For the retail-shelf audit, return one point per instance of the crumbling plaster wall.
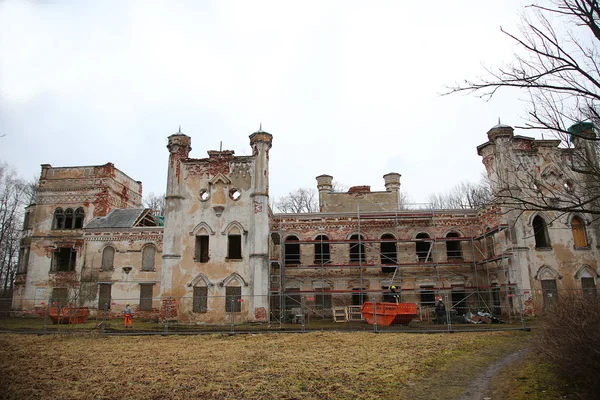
(341, 277)
(126, 275)
(217, 214)
(530, 165)
(96, 189)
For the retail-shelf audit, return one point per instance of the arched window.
(292, 250)
(322, 253)
(59, 219)
(357, 249)
(79, 215)
(388, 253)
(578, 229)
(69, 218)
(148, 254)
(423, 247)
(540, 230)
(453, 248)
(108, 258)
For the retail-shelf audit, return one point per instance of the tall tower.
(179, 147)
(260, 142)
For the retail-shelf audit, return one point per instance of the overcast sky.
(346, 88)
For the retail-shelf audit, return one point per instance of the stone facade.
(223, 254)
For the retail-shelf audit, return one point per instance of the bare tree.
(465, 195)
(155, 202)
(13, 198)
(557, 66)
(299, 201)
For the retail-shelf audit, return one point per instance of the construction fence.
(435, 310)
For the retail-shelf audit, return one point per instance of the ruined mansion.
(220, 250)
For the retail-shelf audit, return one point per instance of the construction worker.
(395, 295)
(128, 315)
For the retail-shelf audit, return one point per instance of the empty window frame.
(68, 219)
(59, 219)
(79, 215)
(588, 286)
(540, 231)
(104, 296)
(423, 247)
(323, 301)
(291, 250)
(200, 299)
(108, 258)
(234, 247)
(292, 298)
(233, 297)
(23, 260)
(359, 296)
(549, 291)
(60, 297)
(427, 296)
(148, 255)
(388, 252)
(578, 229)
(63, 260)
(322, 252)
(453, 247)
(202, 248)
(496, 305)
(459, 301)
(357, 249)
(146, 296)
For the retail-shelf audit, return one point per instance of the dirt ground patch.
(265, 366)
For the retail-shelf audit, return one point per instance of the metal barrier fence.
(293, 312)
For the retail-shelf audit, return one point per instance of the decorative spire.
(179, 131)
(499, 121)
(260, 127)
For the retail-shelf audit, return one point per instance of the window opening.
(549, 291)
(69, 217)
(60, 296)
(200, 299)
(453, 247)
(497, 309)
(540, 231)
(292, 300)
(427, 296)
(389, 255)
(59, 219)
(323, 301)
(234, 247)
(146, 297)
(104, 296)
(108, 258)
(322, 252)
(233, 295)
(63, 260)
(458, 297)
(357, 250)
(23, 260)
(202, 248)
(292, 251)
(204, 195)
(588, 285)
(578, 229)
(235, 194)
(79, 214)
(423, 248)
(358, 297)
(148, 255)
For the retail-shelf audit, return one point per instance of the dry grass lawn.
(330, 365)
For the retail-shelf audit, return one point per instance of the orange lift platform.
(387, 314)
